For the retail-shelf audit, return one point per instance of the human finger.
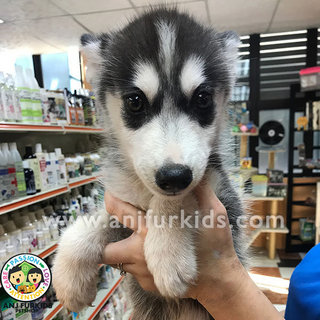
(126, 213)
(119, 252)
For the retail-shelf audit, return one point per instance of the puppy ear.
(91, 46)
(230, 43)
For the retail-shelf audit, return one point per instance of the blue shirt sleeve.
(304, 290)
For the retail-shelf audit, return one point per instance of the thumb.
(118, 252)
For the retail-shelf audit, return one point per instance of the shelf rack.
(101, 299)
(59, 128)
(44, 195)
(273, 229)
(293, 244)
(52, 312)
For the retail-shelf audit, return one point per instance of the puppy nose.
(173, 177)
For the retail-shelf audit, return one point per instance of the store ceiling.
(42, 26)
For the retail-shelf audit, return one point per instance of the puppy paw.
(74, 282)
(174, 276)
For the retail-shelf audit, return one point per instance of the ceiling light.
(1, 21)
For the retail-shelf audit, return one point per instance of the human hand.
(223, 286)
(215, 253)
(130, 251)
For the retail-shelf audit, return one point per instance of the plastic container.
(7, 102)
(34, 166)
(13, 108)
(24, 95)
(2, 97)
(13, 189)
(42, 164)
(28, 232)
(41, 240)
(21, 182)
(259, 185)
(54, 231)
(29, 178)
(55, 168)
(70, 168)
(15, 235)
(4, 178)
(35, 97)
(47, 236)
(62, 166)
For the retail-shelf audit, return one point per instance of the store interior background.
(278, 39)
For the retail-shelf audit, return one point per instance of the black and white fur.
(166, 57)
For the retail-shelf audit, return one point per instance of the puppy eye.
(203, 99)
(134, 102)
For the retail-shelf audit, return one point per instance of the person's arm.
(238, 298)
(223, 287)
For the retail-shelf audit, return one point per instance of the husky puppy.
(162, 82)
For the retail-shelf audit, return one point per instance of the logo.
(25, 277)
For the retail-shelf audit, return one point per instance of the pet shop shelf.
(253, 198)
(47, 251)
(15, 127)
(246, 134)
(51, 313)
(264, 229)
(101, 298)
(29, 200)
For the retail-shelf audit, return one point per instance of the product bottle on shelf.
(24, 95)
(79, 111)
(29, 232)
(13, 190)
(55, 167)
(35, 97)
(62, 166)
(29, 176)
(15, 235)
(34, 165)
(17, 104)
(15, 115)
(45, 106)
(49, 171)
(4, 178)
(19, 170)
(8, 108)
(2, 97)
(73, 111)
(42, 163)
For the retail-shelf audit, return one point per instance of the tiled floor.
(271, 279)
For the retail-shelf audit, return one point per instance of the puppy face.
(163, 81)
